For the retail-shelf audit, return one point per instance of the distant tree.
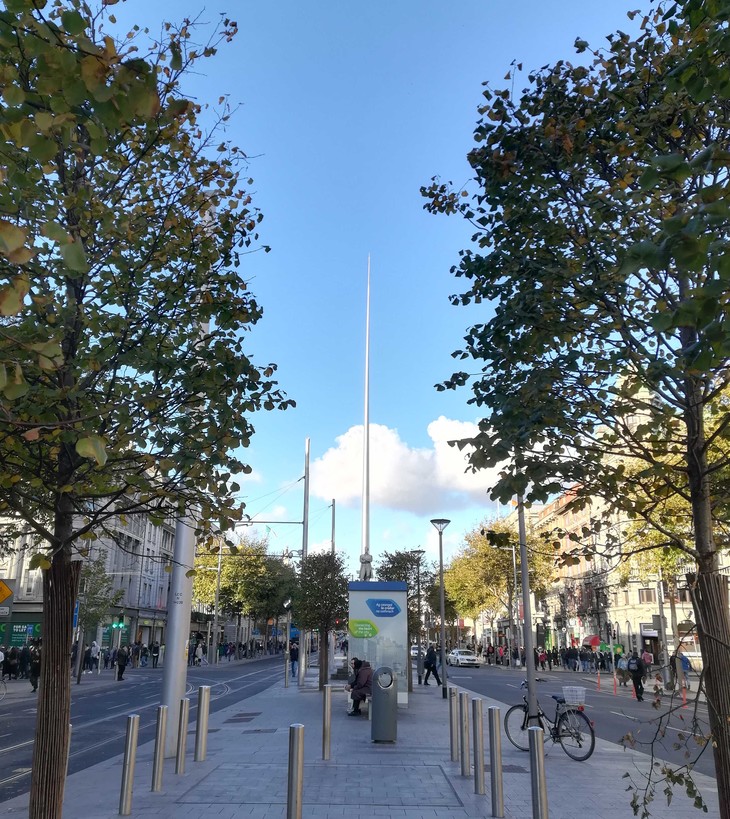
(402, 566)
(320, 600)
(126, 384)
(96, 592)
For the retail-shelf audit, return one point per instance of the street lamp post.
(418, 553)
(441, 524)
(215, 612)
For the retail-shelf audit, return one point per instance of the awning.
(592, 640)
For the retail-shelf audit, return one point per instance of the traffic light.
(119, 622)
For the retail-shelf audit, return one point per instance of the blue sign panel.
(383, 608)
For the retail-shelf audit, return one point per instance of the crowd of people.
(22, 662)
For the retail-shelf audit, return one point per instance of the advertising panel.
(378, 628)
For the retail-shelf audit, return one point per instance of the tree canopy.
(601, 227)
(126, 379)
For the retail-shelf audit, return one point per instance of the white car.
(414, 652)
(462, 657)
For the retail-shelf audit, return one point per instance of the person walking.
(34, 665)
(294, 659)
(637, 670)
(430, 665)
(122, 657)
(155, 652)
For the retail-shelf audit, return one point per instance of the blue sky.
(346, 109)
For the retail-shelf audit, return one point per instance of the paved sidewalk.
(245, 773)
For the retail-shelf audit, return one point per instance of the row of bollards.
(130, 745)
(459, 736)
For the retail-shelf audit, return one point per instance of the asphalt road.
(665, 728)
(99, 708)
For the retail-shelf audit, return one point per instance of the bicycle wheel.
(515, 726)
(576, 735)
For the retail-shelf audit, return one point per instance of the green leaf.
(54, 231)
(12, 237)
(73, 22)
(176, 58)
(93, 447)
(75, 257)
(40, 561)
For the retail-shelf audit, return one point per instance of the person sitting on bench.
(360, 684)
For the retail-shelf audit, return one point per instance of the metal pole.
(453, 724)
(333, 525)
(326, 721)
(527, 614)
(68, 749)
(158, 761)
(537, 772)
(130, 757)
(464, 733)
(305, 517)
(663, 654)
(519, 636)
(182, 735)
(296, 772)
(287, 657)
(495, 762)
(215, 612)
(179, 604)
(442, 605)
(419, 661)
(478, 728)
(201, 723)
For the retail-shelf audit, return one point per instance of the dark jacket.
(430, 661)
(363, 686)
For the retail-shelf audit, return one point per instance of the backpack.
(633, 664)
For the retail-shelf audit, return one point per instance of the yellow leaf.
(12, 237)
(92, 447)
(168, 569)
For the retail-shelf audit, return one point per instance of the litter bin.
(384, 727)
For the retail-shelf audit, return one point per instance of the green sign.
(362, 628)
(18, 634)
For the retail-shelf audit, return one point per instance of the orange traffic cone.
(598, 685)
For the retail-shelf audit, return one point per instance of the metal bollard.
(158, 760)
(326, 721)
(201, 723)
(182, 735)
(296, 772)
(478, 728)
(495, 762)
(454, 724)
(130, 757)
(68, 750)
(464, 734)
(537, 772)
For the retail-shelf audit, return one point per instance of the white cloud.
(403, 478)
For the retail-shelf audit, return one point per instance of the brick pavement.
(245, 773)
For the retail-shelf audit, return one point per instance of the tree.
(125, 384)
(601, 222)
(403, 566)
(481, 577)
(96, 592)
(320, 600)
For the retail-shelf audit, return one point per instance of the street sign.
(76, 614)
(7, 592)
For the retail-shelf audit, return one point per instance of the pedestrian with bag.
(637, 670)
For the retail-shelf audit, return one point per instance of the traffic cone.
(633, 692)
(614, 685)
(598, 686)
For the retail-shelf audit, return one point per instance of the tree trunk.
(50, 751)
(713, 626)
(710, 592)
(324, 651)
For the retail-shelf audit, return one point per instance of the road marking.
(628, 716)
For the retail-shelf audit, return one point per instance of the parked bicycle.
(570, 726)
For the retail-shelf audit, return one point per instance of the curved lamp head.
(440, 523)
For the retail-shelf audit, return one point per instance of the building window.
(683, 596)
(647, 595)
